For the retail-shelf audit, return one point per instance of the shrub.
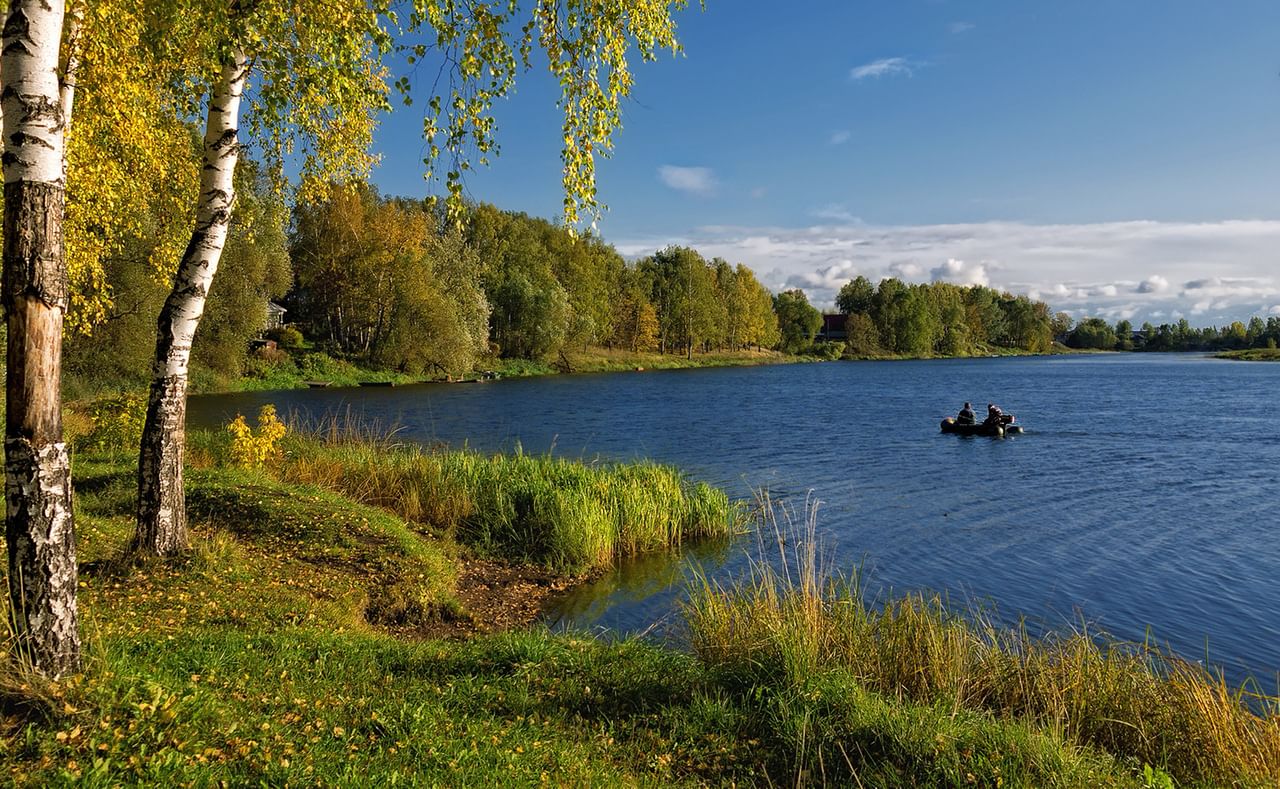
(117, 424)
(272, 356)
(828, 350)
(286, 337)
(249, 448)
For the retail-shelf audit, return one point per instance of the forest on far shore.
(392, 284)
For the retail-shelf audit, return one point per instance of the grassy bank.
(611, 360)
(287, 648)
(980, 352)
(292, 370)
(274, 654)
(796, 633)
(1252, 355)
(568, 516)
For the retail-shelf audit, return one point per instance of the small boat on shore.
(1006, 427)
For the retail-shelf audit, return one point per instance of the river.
(1144, 497)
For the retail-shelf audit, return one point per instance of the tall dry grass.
(790, 620)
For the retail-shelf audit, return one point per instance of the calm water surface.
(1144, 494)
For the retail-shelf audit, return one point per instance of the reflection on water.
(635, 581)
(1144, 494)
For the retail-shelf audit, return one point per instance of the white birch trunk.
(39, 526)
(162, 513)
(70, 73)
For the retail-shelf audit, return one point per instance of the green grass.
(294, 371)
(565, 515)
(255, 660)
(981, 351)
(598, 360)
(612, 360)
(302, 366)
(1252, 355)
(520, 368)
(275, 654)
(372, 564)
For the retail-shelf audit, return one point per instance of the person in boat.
(967, 416)
(994, 415)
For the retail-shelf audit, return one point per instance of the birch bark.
(39, 526)
(162, 514)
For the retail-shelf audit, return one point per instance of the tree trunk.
(162, 512)
(39, 526)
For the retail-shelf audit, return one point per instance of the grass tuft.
(568, 516)
(791, 622)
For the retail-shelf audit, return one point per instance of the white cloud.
(827, 278)
(1118, 312)
(840, 137)
(1153, 284)
(960, 273)
(906, 270)
(884, 67)
(1230, 267)
(1275, 310)
(693, 180)
(956, 28)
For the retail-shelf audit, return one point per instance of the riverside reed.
(568, 516)
(791, 628)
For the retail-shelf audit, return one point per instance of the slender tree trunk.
(162, 511)
(39, 526)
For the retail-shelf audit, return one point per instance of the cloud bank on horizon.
(1209, 272)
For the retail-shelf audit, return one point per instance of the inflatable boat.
(1007, 427)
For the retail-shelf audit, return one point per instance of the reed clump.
(566, 515)
(790, 621)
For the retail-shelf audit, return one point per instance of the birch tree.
(71, 200)
(319, 80)
(319, 84)
(161, 514)
(39, 527)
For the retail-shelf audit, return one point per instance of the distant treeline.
(1096, 333)
(392, 283)
(391, 280)
(941, 319)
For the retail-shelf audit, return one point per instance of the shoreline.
(594, 361)
(1250, 355)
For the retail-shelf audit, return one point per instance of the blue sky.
(1118, 158)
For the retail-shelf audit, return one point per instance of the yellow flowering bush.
(117, 424)
(250, 448)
